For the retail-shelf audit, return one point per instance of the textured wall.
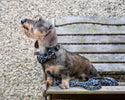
(20, 74)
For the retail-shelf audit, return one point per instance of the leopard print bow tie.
(50, 55)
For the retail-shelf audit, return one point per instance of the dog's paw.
(64, 84)
(49, 81)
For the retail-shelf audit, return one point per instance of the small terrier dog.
(66, 64)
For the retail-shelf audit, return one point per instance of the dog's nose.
(23, 21)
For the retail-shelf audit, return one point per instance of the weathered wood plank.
(92, 39)
(95, 48)
(90, 29)
(119, 78)
(88, 19)
(105, 57)
(78, 90)
(109, 67)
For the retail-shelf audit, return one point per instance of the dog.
(66, 64)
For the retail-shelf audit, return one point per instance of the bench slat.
(105, 57)
(95, 48)
(90, 29)
(109, 67)
(88, 19)
(91, 39)
(78, 90)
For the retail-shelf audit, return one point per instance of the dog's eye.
(25, 27)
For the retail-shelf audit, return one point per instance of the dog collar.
(50, 55)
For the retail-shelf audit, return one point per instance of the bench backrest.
(101, 40)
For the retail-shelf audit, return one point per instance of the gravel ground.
(20, 74)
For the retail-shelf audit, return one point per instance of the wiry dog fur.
(67, 64)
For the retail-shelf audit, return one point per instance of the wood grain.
(95, 48)
(78, 90)
(92, 39)
(116, 67)
(105, 57)
(90, 29)
(90, 19)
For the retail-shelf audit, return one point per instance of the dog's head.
(41, 30)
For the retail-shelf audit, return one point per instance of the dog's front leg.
(49, 81)
(65, 82)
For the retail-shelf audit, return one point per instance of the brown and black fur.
(67, 64)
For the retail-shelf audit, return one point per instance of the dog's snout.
(23, 21)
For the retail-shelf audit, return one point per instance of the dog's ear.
(50, 39)
(48, 26)
(36, 45)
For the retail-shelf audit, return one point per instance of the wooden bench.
(102, 41)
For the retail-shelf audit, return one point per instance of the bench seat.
(78, 90)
